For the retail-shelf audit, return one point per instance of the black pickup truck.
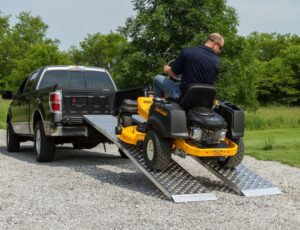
(49, 105)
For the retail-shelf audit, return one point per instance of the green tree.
(5, 47)
(291, 57)
(38, 55)
(276, 67)
(28, 30)
(268, 46)
(101, 50)
(162, 28)
(275, 82)
(28, 48)
(236, 80)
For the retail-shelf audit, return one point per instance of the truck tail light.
(55, 102)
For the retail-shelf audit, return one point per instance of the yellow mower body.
(132, 136)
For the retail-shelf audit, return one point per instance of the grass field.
(272, 133)
(273, 117)
(282, 145)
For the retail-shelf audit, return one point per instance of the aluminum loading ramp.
(175, 182)
(241, 179)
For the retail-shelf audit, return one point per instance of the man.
(196, 64)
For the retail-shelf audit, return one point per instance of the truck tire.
(44, 147)
(157, 151)
(12, 140)
(236, 160)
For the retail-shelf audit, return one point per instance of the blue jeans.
(164, 87)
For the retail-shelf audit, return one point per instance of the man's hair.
(215, 37)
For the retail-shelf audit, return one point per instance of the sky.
(71, 20)
(268, 16)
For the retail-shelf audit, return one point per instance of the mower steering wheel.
(177, 78)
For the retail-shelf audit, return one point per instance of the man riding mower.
(196, 125)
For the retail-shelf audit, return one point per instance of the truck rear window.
(77, 80)
(98, 80)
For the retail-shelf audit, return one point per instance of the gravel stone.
(91, 189)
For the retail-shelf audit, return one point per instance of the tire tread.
(236, 160)
(47, 145)
(162, 151)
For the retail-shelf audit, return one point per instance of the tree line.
(258, 69)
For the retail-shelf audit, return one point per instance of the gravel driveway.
(92, 189)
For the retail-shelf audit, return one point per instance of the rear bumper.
(66, 131)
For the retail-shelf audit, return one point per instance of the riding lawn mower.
(197, 125)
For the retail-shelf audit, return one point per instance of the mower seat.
(197, 95)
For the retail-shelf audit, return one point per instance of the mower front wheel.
(157, 150)
(236, 160)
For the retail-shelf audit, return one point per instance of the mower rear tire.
(157, 150)
(234, 161)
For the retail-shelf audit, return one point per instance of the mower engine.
(206, 127)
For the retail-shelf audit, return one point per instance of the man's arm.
(177, 65)
(168, 70)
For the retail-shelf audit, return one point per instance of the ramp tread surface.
(175, 182)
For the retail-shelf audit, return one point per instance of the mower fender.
(234, 117)
(157, 124)
(170, 121)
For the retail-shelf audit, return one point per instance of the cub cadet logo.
(147, 101)
(159, 110)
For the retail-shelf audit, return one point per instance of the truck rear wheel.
(12, 140)
(157, 150)
(44, 147)
(236, 160)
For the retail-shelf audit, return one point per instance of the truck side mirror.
(7, 95)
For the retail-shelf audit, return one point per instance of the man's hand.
(168, 70)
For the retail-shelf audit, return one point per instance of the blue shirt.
(197, 65)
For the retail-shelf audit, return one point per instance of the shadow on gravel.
(105, 167)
